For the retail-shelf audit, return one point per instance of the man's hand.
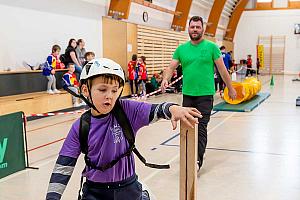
(187, 115)
(232, 93)
(164, 85)
(53, 71)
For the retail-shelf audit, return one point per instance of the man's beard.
(197, 37)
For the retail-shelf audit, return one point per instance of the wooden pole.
(188, 162)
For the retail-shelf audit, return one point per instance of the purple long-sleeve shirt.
(107, 142)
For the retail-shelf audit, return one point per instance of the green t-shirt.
(198, 67)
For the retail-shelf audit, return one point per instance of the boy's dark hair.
(70, 42)
(89, 53)
(195, 19)
(71, 64)
(55, 48)
(134, 57)
(222, 47)
(108, 79)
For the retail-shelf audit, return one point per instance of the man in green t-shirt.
(197, 58)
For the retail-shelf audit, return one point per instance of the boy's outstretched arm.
(174, 112)
(187, 115)
(60, 177)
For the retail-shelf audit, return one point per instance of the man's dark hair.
(222, 47)
(134, 57)
(195, 19)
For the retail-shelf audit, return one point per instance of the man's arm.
(168, 74)
(225, 76)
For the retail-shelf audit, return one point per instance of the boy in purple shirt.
(102, 81)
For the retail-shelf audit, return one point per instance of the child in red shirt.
(132, 74)
(142, 73)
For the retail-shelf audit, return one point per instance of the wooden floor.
(249, 156)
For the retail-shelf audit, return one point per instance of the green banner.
(12, 154)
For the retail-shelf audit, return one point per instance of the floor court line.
(50, 125)
(249, 151)
(44, 145)
(177, 156)
(177, 134)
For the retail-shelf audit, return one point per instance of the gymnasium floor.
(249, 156)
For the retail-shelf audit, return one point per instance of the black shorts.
(129, 189)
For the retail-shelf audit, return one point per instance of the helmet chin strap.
(89, 103)
(83, 98)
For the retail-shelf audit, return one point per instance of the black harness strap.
(122, 119)
(129, 135)
(81, 97)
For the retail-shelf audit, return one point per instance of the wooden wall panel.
(115, 41)
(274, 51)
(131, 41)
(158, 46)
(229, 45)
(213, 39)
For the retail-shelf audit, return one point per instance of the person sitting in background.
(88, 56)
(155, 82)
(53, 58)
(49, 69)
(70, 83)
(71, 57)
(80, 51)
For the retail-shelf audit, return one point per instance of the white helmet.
(101, 66)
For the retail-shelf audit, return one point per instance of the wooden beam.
(234, 20)
(188, 160)
(119, 8)
(294, 4)
(156, 7)
(179, 21)
(264, 5)
(214, 17)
